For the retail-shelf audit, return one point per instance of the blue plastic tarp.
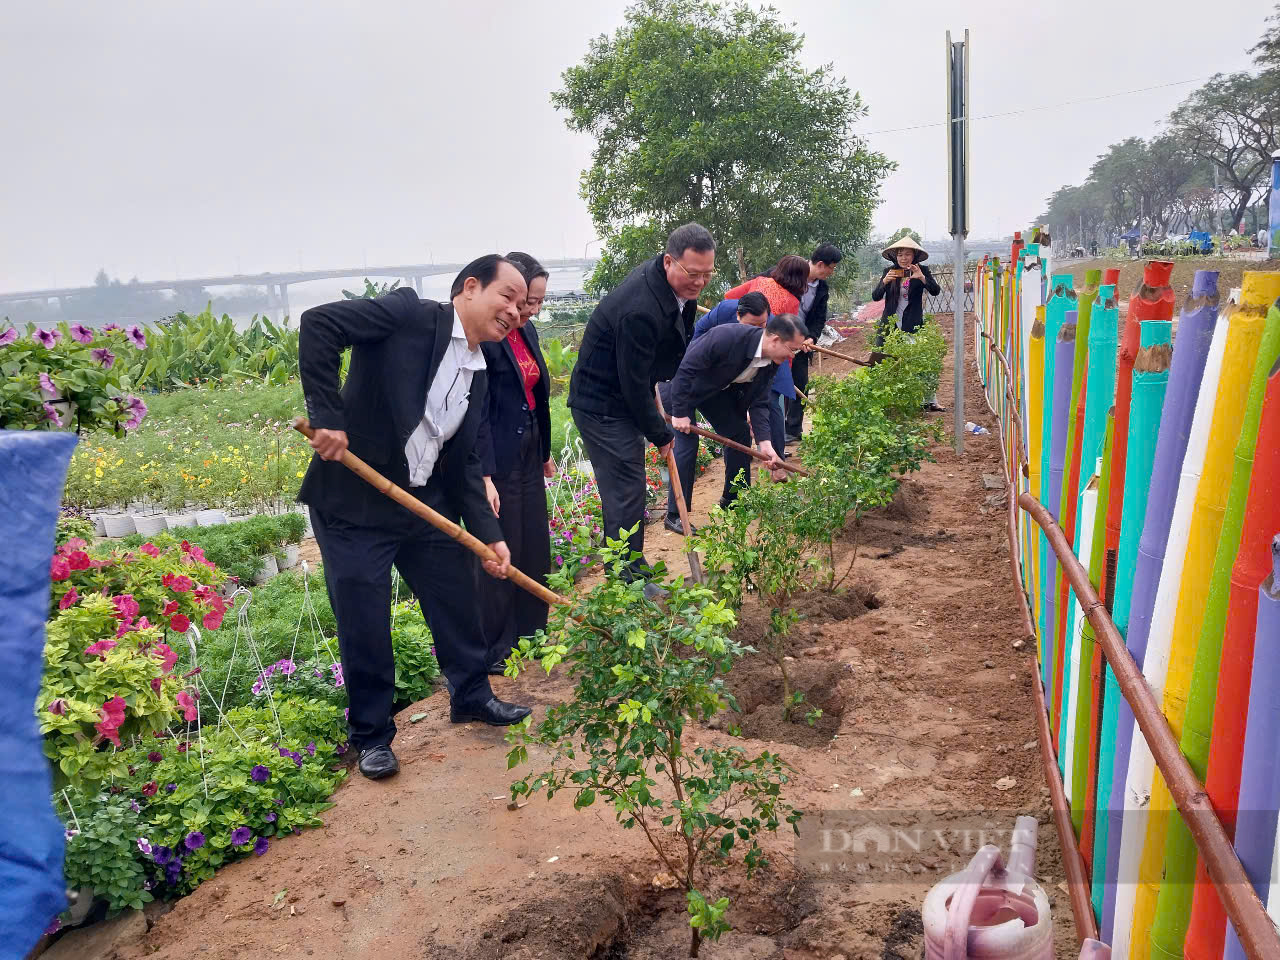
(33, 465)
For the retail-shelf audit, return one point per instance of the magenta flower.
(155, 756)
(58, 707)
(181, 583)
(47, 386)
(126, 606)
(8, 337)
(82, 333)
(188, 706)
(179, 623)
(240, 836)
(46, 338)
(110, 326)
(103, 356)
(259, 774)
(59, 568)
(260, 847)
(134, 332)
(99, 649)
(50, 413)
(68, 599)
(144, 845)
(112, 719)
(168, 658)
(150, 791)
(212, 620)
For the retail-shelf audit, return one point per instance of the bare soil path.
(927, 706)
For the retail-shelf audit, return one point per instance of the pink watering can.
(991, 911)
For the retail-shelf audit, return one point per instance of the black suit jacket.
(912, 313)
(506, 407)
(397, 342)
(635, 339)
(710, 366)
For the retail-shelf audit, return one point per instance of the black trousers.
(730, 422)
(795, 407)
(615, 447)
(508, 612)
(442, 574)
(777, 427)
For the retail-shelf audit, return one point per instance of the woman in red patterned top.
(783, 286)
(515, 451)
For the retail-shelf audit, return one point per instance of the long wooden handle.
(677, 491)
(841, 356)
(741, 448)
(437, 520)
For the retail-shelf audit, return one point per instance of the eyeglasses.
(700, 275)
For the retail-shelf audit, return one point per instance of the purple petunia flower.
(82, 333)
(138, 409)
(103, 356)
(162, 855)
(133, 805)
(137, 336)
(311, 748)
(54, 926)
(195, 840)
(51, 413)
(271, 818)
(260, 774)
(144, 844)
(170, 787)
(155, 756)
(47, 386)
(240, 836)
(46, 338)
(260, 847)
(8, 336)
(173, 871)
(277, 801)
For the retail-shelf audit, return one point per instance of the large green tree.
(702, 111)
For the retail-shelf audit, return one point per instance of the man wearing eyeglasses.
(635, 339)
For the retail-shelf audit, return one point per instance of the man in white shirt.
(411, 408)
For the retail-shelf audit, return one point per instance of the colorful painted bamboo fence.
(1153, 445)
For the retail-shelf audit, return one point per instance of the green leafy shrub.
(73, 525)
(642, 671)
(102, 853)
(184, 350)
(414, 651)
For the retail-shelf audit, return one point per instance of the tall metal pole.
(958, 196)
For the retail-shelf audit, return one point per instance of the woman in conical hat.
(902, 287)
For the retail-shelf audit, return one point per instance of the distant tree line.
(1208, 170)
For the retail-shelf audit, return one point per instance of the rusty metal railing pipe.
(1257, 934)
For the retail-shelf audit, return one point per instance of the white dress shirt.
(806, 301)
(758, 361)
(447, 399)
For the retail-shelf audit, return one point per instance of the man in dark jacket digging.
(636, 337)
(411, 409)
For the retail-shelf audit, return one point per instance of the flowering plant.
(69, 376)
(110, 675)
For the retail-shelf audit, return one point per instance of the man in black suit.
(411, 408)
(725, 375)
(636, 338)
(813, 315)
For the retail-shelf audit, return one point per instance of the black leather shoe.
(675, 526)
(793, 438)
(378, 762)
(496, 713)
(498, 669)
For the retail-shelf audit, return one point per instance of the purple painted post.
(1260, 771)
(1191, 349)
(1064, 363)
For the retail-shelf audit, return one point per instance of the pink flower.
(103, 356)
(99, 649)
(170, 608)
(179, 624)
(126, 626)
(51, 413)
(58, 707)
(59, 568)
(183, 747)
(126, 606)
(134, 332)
(82, 333)
(46, 338)
(78, 559)
(212, 620)
(188, 706)
(68, 599)
(168, 659)
(181, 583)
(110, 326)
(8, 337)
(150, 549)
(150, 789)
(75, 543)
(47, 386)
(143, 624)
(112, 718)
(155, 684)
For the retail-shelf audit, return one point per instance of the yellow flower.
(299, 473)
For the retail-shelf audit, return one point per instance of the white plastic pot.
(210, 518)
(268, 570)
(180, 520)
(118, 525)
(99, 523)
(154, 523)
(291, 556)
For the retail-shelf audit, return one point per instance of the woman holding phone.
(902, 287)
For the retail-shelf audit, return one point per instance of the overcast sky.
(162, 138)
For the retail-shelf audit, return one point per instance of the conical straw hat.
(921, 253)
